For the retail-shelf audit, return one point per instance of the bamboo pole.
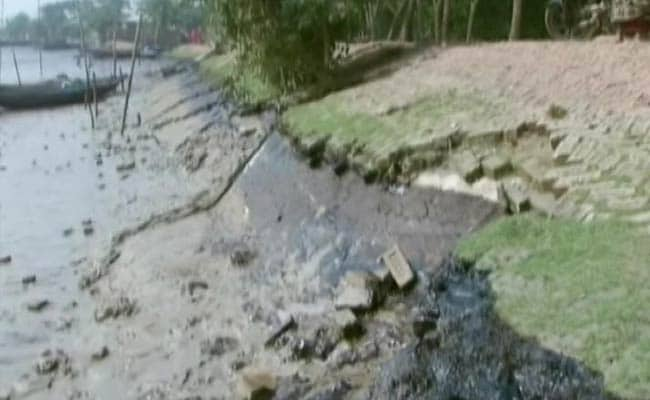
(95, 94)
(16, 66)
(133, 58)
(2, 24)
(470, 22)
(85, 56)
(40, 48)
(114, 52)
(121, 79)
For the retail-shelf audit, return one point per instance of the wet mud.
(236, 270)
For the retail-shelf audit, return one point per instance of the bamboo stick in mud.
(2, 24)
(84, 54)
(95, 93)
(133, 58)
(40, 48)
(115, 53)
(16, 67)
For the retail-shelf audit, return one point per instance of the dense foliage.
(293, 42)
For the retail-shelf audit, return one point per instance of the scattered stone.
(218, 346)
(101, 354)
(557, 112)
(242, 256)
(123, 306)
(555, 138)
(87, 222)
(257, 384)
(345, 354)
(516, 197)
(424, 320)
(192, 286)
(286, 323)
(399, 268)
(67, 232)
(125, 167)
(358, 292)
(52, 362)
(88, 230)
(29, 279)
(348, 323)
(5, 260)
(495, 166)
(101, 186)
(38, 305)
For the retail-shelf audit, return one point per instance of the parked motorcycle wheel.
(555, 19)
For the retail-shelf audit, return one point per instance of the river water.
(50, 182)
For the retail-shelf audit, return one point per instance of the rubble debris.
(52, 362)
(286, 323)
(257, 383)
(123, 306)
(193, 286)
(358, 292)
(399, 268)
(218, 346)
(38, 305)
(125, 167)
(242, 256)
(101, 354)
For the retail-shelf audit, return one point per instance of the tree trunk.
(515, 25)
(406, 22)
(436, 21)
(395, 20)
(445, 21)
(470, 22)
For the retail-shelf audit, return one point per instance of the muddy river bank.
(219, 265)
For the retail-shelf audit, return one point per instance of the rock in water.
(29, 279)
(5, 260)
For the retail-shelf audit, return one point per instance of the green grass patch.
(244, 84)
(188, 52)
(337, 116)
(581, 289)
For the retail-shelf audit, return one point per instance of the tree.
(470, 22)
(515, 25)
(18, 27)
(445, 21)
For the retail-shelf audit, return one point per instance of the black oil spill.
(475, 355)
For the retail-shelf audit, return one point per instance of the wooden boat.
(52, 93)
(122, 53)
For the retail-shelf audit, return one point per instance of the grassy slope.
(222, 70)
(334, 116)
(580, 289)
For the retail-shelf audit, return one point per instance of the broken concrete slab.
(467, 165)
(399, 267)
(357, 291)
(496, 166)
(516, 196)
(347, 322)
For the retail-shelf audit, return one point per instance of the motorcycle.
(577, 19)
